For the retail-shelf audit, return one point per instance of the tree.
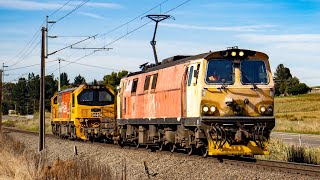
(33, 86)
(95, 82)
(282, 76)
(20, 95)
(300, 88)
(113, 79)
(282, 73)
(51, 86)
(64, 79)
(78, 80)
(286, 84)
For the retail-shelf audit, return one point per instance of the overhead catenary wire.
(118, 28)
(23, 67)
(76, 8)
(72, 44)
(126, 23)
(124, 35)
(60, 8)
(100, 67)
(32, 40)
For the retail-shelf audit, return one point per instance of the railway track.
(281, 166)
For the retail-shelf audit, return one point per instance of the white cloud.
(301, 38)
(249, 28)
(28, 5)
(229, 5)
(38, 5)
(92, 15)
(104, 5)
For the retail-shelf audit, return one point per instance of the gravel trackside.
(161, 165)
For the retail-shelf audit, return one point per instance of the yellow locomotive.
(86, 112)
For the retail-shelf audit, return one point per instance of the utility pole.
(42, 92)
(1, 72)
(59, 76)
(3, 66)
(156, 18)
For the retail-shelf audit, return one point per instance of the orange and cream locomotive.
(219, 103)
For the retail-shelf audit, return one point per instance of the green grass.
(283, 152)
(298, 114)
(29, 124)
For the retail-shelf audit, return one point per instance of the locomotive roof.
(171, 61)
(67, 90)
(178, 59)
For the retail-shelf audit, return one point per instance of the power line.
(123, 35)
(115, 29)
(126, 23)
(76, 8)
(94, 66)
(23, 67)
(73, 44)
(31, 40)
(139, 16)
(34, 37)
(24, 54)
(60, 8)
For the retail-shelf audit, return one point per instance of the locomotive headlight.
(241, 53)
(233, 53)
(212, 109)
(263, 109)
(205, 108)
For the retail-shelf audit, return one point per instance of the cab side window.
(134, 86)
(147, 83)
(55, 100)
(154, 81)
(190, 75)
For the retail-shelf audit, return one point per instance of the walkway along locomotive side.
(86, 112)
(220, 103)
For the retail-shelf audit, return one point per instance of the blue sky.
(288, 31)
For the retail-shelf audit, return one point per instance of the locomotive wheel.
(59, 131)
(204, 152)
(120, 144)
(136, 144)
(172, 147)
(190, 150)
(162, 146)
(53, 130)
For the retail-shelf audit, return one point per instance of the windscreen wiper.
(251, 82)
(224, 85)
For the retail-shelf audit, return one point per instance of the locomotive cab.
(236, 101)
(85, 112)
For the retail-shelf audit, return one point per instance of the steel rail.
(280, 166)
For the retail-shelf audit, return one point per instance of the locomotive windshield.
(95, 97)
(219, 71)
(253, 72)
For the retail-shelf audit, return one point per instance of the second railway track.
(281, 166)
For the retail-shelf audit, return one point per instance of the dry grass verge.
(298, 114)
(292, 153)
(17, 162)
(29, 124)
